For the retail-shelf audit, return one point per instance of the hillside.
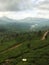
(17, 46)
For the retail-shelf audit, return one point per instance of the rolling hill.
(28, 24)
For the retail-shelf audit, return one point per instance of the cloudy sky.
(20, 9)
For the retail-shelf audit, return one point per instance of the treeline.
(7, 36)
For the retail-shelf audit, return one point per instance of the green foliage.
(32, 48)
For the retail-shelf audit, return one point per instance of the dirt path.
(13, 47)
(45, 34)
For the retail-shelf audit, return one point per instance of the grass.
(6, 45)
(36, 54)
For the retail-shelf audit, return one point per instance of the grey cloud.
(44, 5)
(17, 5)
(8, 5)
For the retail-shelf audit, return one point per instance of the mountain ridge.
(27, 24)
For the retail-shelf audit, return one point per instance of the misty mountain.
(13, 25)
(27, 24)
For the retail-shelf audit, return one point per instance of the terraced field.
(27, 46)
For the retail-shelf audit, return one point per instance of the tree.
(29, 45)
(39, 33)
